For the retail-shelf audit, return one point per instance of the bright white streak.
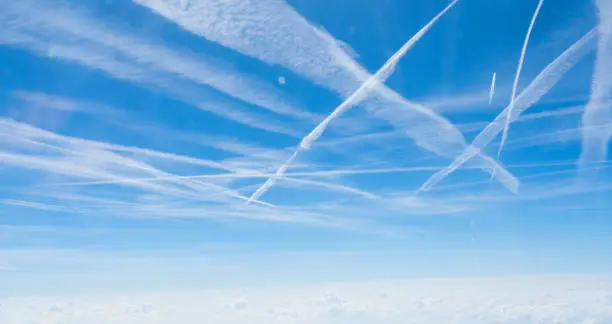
(541, 85)
(517, 76)
(379, 77)
(492, 90)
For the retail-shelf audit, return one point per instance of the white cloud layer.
(512, 300)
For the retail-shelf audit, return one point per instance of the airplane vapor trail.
(492, 91)
(541, 85)
(517, 76)
(379, 77)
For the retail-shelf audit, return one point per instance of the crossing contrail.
(540, 86)
(379, 77)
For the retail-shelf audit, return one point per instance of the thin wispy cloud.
(445, 103)
(63, 104)
(35, 205)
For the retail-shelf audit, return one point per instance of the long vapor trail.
(540, 86)
(289, 176)
(517, 76)
(596, 130)
(379, 77)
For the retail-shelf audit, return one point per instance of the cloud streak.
(63, 104)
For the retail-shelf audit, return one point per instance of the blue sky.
(134, 133)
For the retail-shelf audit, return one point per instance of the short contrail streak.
(492, 91)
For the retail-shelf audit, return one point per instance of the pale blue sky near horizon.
(133, 132)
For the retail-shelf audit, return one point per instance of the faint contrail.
(492, 91)
(517, 76)
(379, 77)
(540, 86)
(288, 176)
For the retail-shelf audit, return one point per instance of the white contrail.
(492, 90)
(597, 116)
(491, 93)
(517, 76)
(541, 85)
(379, 77)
